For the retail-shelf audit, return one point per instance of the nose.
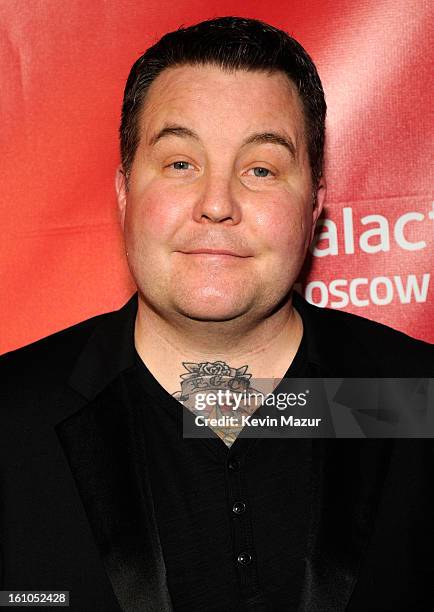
(217, 203)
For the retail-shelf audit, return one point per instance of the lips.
(215, 252)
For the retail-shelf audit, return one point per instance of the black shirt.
(232, 521)
(76, 511)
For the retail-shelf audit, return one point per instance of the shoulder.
(382, 350)
(32, 378)
(46, 361)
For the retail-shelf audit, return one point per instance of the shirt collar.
(110, 349)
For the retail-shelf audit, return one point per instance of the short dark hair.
(232, 43)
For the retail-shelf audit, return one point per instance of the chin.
(209, 306)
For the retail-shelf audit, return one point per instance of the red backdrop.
(63, 68)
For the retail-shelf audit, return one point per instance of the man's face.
(219, 212)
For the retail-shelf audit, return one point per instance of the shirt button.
(244, 558)
(239, 507)
(234, 464)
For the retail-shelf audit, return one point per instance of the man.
(219, 190)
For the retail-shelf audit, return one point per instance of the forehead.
(213, 98)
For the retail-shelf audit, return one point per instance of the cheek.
(154, 213)
(283, 223)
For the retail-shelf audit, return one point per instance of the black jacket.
(76, 511)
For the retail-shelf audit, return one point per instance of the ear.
(318, 204)
(121, 194)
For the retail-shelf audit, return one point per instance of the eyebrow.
(257, 138)
(173, 130)
(273, 138)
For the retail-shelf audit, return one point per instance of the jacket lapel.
(347, 476)
(102, 442)
(347, 482)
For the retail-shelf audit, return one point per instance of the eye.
(180, 165)
(261, 172)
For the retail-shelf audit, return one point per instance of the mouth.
(216, 252)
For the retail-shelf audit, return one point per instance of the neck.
(266, 346)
